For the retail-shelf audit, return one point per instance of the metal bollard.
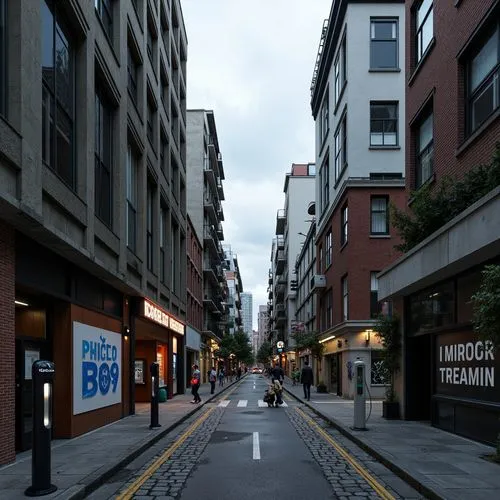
(43, 379)
(155, 386)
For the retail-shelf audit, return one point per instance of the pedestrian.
(212, 377)
(195, 385)
(307, 379)
(221, 377)
(238, 373)
(277, 373)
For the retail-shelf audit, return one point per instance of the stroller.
(272, 396)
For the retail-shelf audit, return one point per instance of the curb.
(99, 477)
(400, 472)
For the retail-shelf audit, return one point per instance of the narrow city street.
(237, 447)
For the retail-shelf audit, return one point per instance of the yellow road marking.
(127, 494)
(382, 492)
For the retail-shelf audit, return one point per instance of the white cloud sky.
(252, 64)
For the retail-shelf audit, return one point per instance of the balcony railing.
(281, 221)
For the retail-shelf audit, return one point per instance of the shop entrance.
(418, 378)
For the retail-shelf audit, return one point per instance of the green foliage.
(486, 305)
(387, 328)
(265, 353)
(309, 340)
(432, 207)
(242, 348)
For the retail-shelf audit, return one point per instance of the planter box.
(390, 410)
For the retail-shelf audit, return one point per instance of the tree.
(309, 340)
(387, 328)
(242, 348)
(265, 353)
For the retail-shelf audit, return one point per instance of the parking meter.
(359, 395)
(42, 373)
(155, 386)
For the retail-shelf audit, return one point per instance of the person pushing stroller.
(273, 395)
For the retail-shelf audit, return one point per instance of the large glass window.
(383, 123)
(103, 156)
(163, 242)
(58, 75)
(340, 70)
(344, 225)
(3, 57)
(150, 198)
(425, 151)
(374, 307)
(328, 248)
(484, 80)
(345, 299)
(324, 184)
(424, 27)
(340, 149)
(105, 10)
(384, 44)
(324, 125)
(379, 215)
(131, 214)
(132, 72)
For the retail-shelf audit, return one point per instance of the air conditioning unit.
(318, 281)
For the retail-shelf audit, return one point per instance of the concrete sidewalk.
(436, 463)
(82, 464)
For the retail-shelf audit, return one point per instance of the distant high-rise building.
(262, 324)
(247, 311)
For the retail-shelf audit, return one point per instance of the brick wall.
(7, 343)
(442, 75)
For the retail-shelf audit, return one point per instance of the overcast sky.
(251, 62)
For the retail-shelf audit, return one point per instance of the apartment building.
(357, 102)
(194, 300)
(290, 223)
(235, 289)
(262, 324)
(92, 207)
(247, 312)
(453, 123)
(205, 193)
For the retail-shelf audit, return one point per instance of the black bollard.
(43, 382)
(155, 387)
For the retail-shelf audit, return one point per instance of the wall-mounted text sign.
(158, 315)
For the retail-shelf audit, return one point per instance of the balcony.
(210, 239)
(220, 189)
(209, 303)
(281, 221)
(280, 292)
(209, 271)
(318, 283)
(209, 205)
(280, 243)
(209, 174)
(280, 262)
(220, 232)
(220, 212)
(280, 315)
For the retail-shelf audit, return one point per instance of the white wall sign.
(97, 365)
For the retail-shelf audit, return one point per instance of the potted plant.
(387, 328)
(321, 387)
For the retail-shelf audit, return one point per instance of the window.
(384, 44)
(174, 177)
(340, 148)
(383, 123)
(324, 118)
(340, 71)
(329, 309)
(132, 72)
(131, 215)
(164, 152)
(374, 308)
(151, 38)
(3, 57)
(324, 184)
(57, 106)
(484, 80)
(345, 299)
(105, 10)
(425, 151)
(328, 248)
(424, 27)
(344, 226)
(150, 210)
(150, 122)
(379, 215)
(163, 242)
(103, 156)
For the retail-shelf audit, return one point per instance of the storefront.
(192, 353)
(159, 338)
(452, 377)
(65, 315)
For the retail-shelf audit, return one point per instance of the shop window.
(432, 308)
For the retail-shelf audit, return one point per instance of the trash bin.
(162, 395)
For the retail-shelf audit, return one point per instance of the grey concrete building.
(235, 288)
(247, 312)
(204, 196)
(92, 202)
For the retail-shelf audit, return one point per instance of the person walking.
(212, 377)
(221, 377)
(277, 373)
(307, 379)
(195, 384)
